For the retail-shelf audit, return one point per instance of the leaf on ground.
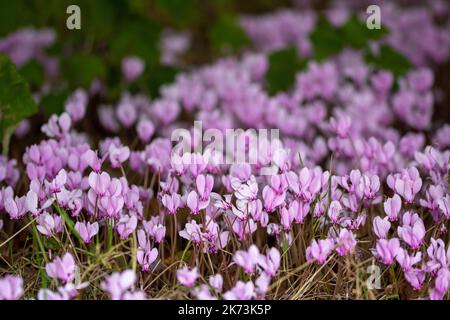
(389, 59)
(283, 66)
(16, 101)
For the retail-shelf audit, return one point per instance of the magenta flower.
(392, 207)
(145, 129)
(319, 250)
(58, 126)
(126, 225)
(216, 282)
(381, 227)
(248, 260)
(11, 287)
(345, 242)
(405, 260)
(49, 225)
(334, 211)
(195, 203)
(407, 184)
(270, 262)
(387, 250)
(415, 278)
(76, 105)
(186, 276)
(118, 285)
(205, 185)
(413, 230)
(86, 230)
(118, 155)
(15, 207)
(62, 268)
(132, 67)
(145, 254)
(241, 291)
(171, 202)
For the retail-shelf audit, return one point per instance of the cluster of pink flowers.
(342, 166)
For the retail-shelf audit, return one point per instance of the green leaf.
(329, 40)
(138, 37)
(389, 59)
(326, 40)
(283, 66)
(227, 34)
(356, 34)
(156, 77)
(33, 73)
(179, 12)
(81, 69)
(16, 102)
(53, 103)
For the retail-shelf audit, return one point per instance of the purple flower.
(216, 282)
(413, 230)
(126, 225)
(346, 242)
(248, 260)
(76, 105)
(392, 207)
(118, 155)
(171, 202)
(49, 225)
(270, 262)
(319, 250)
(186, 276)
(387, 250)
(241, 291)
(145, 254)
(86, 230)
(62, 268)
(132, 67)
(11, 287)
(145, 130)
(405, 260)
(118, 285)
(381, 227)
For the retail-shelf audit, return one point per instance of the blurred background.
(172, 36)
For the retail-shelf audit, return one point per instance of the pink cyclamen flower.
(126, 225)
(171, 202)
(119, 284)
(407, 183)
(11, 287)
(76, 105)
(195, 203)
(204, 185)
(86, 230)
(247, 259)
(346, 242)
(132, 67)
(241, 291)
(49, 225)
(387, 249)
(415, 278)
(186, 276)
(58, 126)
(145, 129)
(392, 207)
(62, 268)
(145, 254)
(216, 282)
(15, 207)
(270, 262)
(319, 250)
(334, 211)
(118, 155)
(406, 261)
(381, 227)
(413, 232)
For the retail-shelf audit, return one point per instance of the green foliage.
(179, 12)
(283, 66)
(33, 73)
(156, 77)
(53, 103)
(16, 102)
(227, 34)
(389, 59)
(81, 69)
(329, 40)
